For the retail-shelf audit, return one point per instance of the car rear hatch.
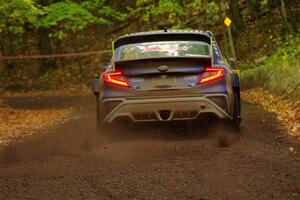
(169, 73)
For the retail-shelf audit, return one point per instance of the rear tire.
(235, 123)
(99, 112)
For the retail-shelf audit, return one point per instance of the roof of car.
(167, 31)
(132, 37)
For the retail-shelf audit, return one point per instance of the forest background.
(265, 34)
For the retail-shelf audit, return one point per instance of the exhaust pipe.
(165, 114)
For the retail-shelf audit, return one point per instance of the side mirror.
(104, 67)
(95, 86)
(231, 61)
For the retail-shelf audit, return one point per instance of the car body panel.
(169, 84)
(180, 108)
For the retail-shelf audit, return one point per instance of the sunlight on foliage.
(278, 73)
(60, 17)
(172, 11)
(15, 14)
(213, 16)
(70, 16)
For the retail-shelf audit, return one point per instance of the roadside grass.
(274, 83)
(279, 73)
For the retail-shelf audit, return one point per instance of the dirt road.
(75, 161)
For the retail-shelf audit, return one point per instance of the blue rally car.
(167, 76)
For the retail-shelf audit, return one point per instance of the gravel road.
(76, 161)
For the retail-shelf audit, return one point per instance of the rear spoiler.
(163, 36)
(150, 65)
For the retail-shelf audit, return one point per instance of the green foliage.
(177, 13)
(264, 21)
(171, 11)
(70, 16)
(212, 11)
(60, 17)
(100, 9)
(278, 73)
(16, 14)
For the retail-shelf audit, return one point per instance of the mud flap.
(95, 86)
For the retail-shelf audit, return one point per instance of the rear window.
(162, 49)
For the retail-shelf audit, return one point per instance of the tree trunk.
(4, 63)
(286, 17)
(9, 51)
(45, 45)
(45, 49)
(59, 51)
(79, 59)
(235, 13)
(225, 38)
(261, 27)
(294, 14)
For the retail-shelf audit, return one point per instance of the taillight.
(211, 74)
(116, 78)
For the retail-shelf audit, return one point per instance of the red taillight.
(116, 78)
(211, 74)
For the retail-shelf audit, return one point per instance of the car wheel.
(236, 113)
(99, 111)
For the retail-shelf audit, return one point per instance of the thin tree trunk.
(294, 14)
(225, 38)
(79, 61)
(45, 49)
(260, 26)
(3, 64)
(9, 64)
(285, 17)
(236, 15)
(45, 46)
(59, 50)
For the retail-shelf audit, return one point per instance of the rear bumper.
(176, 108)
